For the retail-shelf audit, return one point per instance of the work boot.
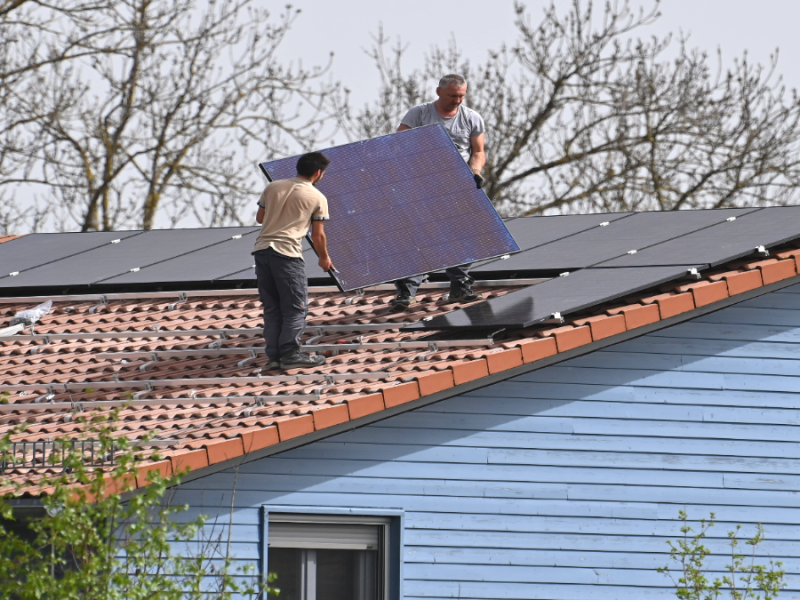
(272, 363)
(462, 292)
(402, 302)
(299, 360)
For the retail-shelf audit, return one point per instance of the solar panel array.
(158, 256)
(629, 254)
(401, 205)
(666, 246)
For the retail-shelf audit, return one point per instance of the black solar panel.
(724, 242)
(620, 236)
(402, 205)
(207, 264)
(537, 231)
(564, 295)
(38, 249)
(132, 252)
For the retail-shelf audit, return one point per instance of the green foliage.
(94, 544)
(744, 580)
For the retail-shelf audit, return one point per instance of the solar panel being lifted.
(401, 205)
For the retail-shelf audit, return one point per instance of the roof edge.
(488, 380)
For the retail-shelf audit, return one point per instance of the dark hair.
(310, 163)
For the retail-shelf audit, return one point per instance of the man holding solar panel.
(286, 210)
(466, 129)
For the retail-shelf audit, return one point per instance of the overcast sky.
(344, 27)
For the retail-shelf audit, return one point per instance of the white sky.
(344, 27)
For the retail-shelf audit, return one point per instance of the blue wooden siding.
(565, 483)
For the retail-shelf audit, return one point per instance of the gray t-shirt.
(464, 125)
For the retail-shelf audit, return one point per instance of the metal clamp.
(761, 250)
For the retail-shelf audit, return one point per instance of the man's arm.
(260, 215)
(321, 245)
(403, 127)
(477, 159)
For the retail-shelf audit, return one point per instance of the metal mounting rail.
(89, 404)
(223, 333)
(244, 292)
(255, 352)
(409, 345)
(149, 384)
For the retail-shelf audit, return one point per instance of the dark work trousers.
(408, 287)
(283, 288)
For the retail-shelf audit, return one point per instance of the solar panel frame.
(384, 186)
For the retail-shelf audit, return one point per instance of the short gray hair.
(452, 79)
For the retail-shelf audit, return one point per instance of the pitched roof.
(190, 368)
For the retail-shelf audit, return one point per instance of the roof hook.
(693, 273)
(761, 250)
(103, 302)
(351, 299)
(181, 299)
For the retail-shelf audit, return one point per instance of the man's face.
(452, 96)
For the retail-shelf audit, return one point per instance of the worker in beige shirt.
(286, 210)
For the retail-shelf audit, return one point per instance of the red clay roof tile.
(210, 407)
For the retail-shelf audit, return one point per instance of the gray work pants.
(283, 288)
(408, 287)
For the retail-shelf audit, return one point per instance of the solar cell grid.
(402, 205)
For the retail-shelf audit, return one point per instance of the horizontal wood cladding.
(565, 483)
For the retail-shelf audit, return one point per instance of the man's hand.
(325, 264)
(479, 181)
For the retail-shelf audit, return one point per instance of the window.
(327, 557)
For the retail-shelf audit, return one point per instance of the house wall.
(565, 483)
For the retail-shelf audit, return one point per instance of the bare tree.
(582, 116)
(152, 109)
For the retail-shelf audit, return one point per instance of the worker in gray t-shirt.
(466, 129)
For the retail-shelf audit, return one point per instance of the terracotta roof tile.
(208, 407)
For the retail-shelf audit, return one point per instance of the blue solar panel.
(401, 205)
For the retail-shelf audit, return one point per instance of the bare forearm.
(320, 244)
(477, 162)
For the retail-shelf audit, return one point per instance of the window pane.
(346, 575)
(325, 574)
(288, 565)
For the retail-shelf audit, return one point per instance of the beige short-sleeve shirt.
(290, 205)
